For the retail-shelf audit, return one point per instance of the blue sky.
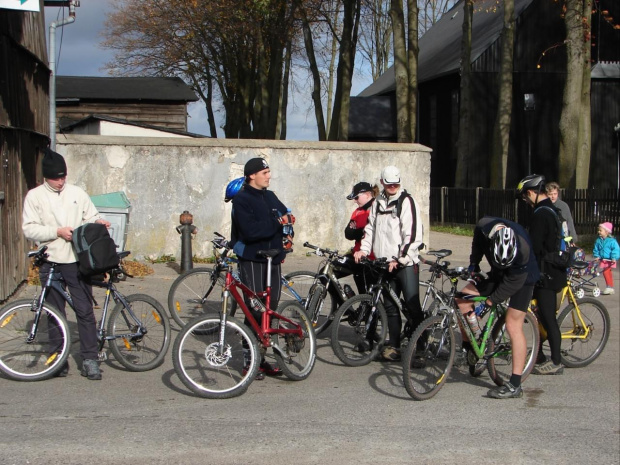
(78, 53)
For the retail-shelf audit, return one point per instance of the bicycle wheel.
(321, 308)
(500, 349)
(578, 351)
(358, 332)
(140, 341)
(298, 353)
(429, 357)
(297, 287)
(208, 371)
(195, 293)
(42, 357)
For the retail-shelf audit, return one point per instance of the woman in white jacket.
(394, 231)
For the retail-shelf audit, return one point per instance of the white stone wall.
(162, 177)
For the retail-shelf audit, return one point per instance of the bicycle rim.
(357, 333)
(210, 370)
(297, 287)
(579, 350)
(133, 350)
(500, 363)
(298, 352)
(196, 293)
(429, 358)
(41, 358)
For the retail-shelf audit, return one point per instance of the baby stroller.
(582, 279)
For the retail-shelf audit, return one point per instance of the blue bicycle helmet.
(232, 188)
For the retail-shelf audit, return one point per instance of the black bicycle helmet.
(534, 182)
(504, 247)
(232, 188)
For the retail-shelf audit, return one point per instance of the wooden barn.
(534, 142)
(24, 128)
(147, 102)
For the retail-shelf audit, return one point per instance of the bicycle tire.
(500, 364)
(139, 353)
(429, 357)
(209, 374)
(301, 282)
(37, 360)
(353, 343)
(321, 308)
(298, 354)
(197, 292)
(578, 352)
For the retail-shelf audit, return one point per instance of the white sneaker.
(609, 291)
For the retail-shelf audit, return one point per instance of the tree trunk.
(501, 130)
(401, 75)
(316, 77)
(339, 129)
(463, 151)
(574, 129)
(412, 64)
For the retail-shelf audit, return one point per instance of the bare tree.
(463, 150)
(235, 48)
(575, 130)
(501, 130)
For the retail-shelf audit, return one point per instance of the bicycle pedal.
(102, 356)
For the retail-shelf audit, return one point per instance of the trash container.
(115, 208)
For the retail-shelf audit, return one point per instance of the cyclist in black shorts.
(514, 272)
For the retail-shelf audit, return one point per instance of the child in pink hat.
(607, 251)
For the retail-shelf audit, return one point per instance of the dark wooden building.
(24, 128)
(534, 141)
(159, 102)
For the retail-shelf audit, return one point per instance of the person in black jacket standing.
(546, 235)
(258, 218)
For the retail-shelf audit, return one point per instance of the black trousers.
(547, 301)
(407, 281)
(81, 294)
(254, 276)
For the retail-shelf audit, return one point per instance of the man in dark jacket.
(258, 218)
(508, 249)
(546, 236)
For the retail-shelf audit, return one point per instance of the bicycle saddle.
(440, 253)
(268, 253)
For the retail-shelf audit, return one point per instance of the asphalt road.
(338, 415)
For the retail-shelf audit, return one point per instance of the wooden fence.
(589, 207)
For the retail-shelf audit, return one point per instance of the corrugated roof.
(124, 88)
(440, 47)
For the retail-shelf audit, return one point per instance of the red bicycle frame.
(264, 330)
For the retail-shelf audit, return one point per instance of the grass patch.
(163, 259)
(467, 230)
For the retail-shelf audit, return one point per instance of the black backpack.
(95, 249)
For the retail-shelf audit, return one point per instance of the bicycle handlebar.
(319, 251)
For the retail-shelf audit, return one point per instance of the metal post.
(186, 229)
(52, 59)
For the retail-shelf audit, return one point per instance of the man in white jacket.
(394, 231)
(51, 212)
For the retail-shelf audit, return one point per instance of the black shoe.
(90, 369)
(507, 391)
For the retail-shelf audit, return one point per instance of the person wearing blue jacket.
(607, 252)
(258, 218)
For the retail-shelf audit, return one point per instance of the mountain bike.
(217, 356)
(584, 325)
(429, 356)
(199, 291)
(326, 293)
(35, 339)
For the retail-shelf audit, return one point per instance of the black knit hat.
(53, 165)
(255, 165)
